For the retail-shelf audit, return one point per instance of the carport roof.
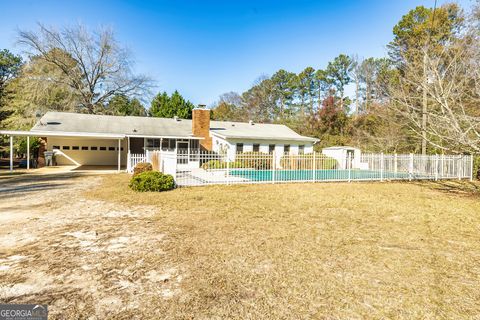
(41, 133)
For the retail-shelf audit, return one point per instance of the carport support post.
(11, 153)
(129, 163)
(119, 154)
(28, 152)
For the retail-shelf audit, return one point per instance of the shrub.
(476, 167)
(323, 162)
(142, 167)
(152, 181)
(217, 164)
(255, 160)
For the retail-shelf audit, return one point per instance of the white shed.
(342, 154)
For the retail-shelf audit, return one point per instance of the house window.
(84, 148)
(121, 149)
(103, 148)
(301, 149)
(271, 148)
(239, 147)
(66, 147)
(256, 147)
(153, 143)
(93, 148)
(56, 147)
(111, 148)
(286, 148)
(75, 148)
(165, 144)
(194, 144)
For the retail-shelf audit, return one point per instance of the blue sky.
(205, 48)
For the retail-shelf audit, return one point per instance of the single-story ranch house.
(85, 139)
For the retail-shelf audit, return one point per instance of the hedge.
(152, 181)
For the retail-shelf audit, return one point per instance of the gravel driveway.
(79, 256)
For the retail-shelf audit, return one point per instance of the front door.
(183, 151)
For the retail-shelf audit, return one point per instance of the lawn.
(326, 251)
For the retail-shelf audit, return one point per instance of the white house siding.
(231, 146)
(87, 157)
(264, 148)
(247, 147)
(219, 144)
(293, 149)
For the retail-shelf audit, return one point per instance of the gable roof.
(160, 127)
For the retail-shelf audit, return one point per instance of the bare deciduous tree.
(452, 92)
(101, 68)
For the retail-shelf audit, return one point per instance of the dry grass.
(326, 251)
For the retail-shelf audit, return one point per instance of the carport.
(67, 135)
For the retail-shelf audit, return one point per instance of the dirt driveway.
(58, 248)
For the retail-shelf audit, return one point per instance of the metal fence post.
(410, 168)
(381, 166)
(395, 164)
(274, 164)
(228, 170)
(471, 167)
(314, 166)
(459, 172)
(349, 168)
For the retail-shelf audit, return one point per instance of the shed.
(343, 154)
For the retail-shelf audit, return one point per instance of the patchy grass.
(328, 251)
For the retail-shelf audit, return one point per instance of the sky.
(206, 48)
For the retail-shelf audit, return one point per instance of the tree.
(228, 108)
(306, 89)
(121, 105)
(102, 67)
(168, 107)
(9, 68)
(283, 91)
(259, 102)
(35, 91)
(451, 91)
(420, 33)
(323, 86)
(423, 27)
(338, 72)
(330, 123)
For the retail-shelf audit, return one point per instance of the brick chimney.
(201, 126)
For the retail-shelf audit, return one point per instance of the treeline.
(400, 103)
(75, 70)
(423, 97)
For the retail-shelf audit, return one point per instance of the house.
(86, 139)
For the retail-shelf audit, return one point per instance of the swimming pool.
(308, 175)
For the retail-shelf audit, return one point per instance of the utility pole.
(424, 105)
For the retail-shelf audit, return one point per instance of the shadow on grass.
(463, 187)
(24, 184)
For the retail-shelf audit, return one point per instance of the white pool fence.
(197, 168)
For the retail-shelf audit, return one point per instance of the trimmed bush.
(142, 167)
(152, 181)
(323, 162)
(217, 164)
(255, 160)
